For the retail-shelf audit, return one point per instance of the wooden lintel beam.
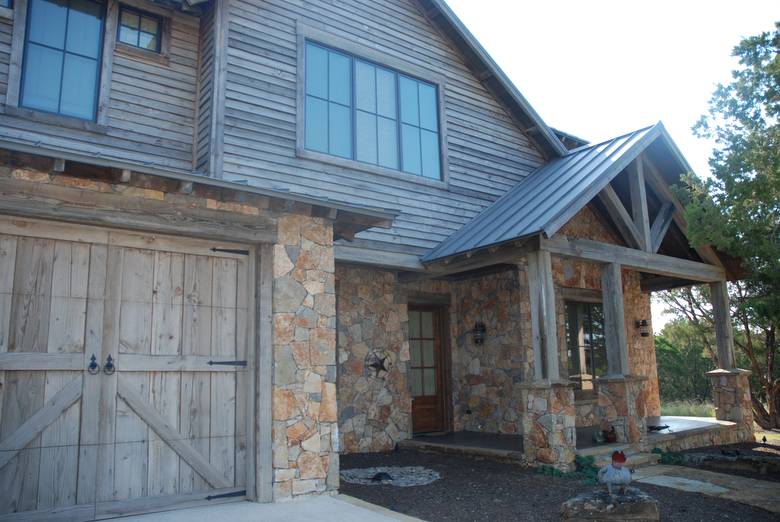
(636, 184)
(661, 226)
(634, 259)
(619, 214)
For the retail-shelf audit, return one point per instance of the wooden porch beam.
(617, 211)
(724, 333)
(544, 330)
(661, 226)
(634, 259)
(614, 320)
(636, 184)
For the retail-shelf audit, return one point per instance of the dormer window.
(139, 29)
(360, 110)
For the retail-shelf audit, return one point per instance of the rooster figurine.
(615, 474)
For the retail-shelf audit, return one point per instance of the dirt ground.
(478, 490)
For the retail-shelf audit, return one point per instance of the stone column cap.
(621, 378)
(722, 372)
(544, 384)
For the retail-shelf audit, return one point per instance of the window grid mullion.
(64, 54)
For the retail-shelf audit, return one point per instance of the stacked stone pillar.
(549, 435)
(622, 404)
(730, 385)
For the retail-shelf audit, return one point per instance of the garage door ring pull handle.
(109, 368)
(94, 367)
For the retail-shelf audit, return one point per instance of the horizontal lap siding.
(151, 109)
(487, 152)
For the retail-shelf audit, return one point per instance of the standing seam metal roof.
(549, 196)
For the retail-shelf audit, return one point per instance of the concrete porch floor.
(489, 445)
(339, 508)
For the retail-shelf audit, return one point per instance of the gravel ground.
(472, 490)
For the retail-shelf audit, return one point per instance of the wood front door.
(426, 373)
(165, 421)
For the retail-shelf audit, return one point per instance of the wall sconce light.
(479, 332)
(644, 329)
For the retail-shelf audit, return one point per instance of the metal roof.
(551, 195)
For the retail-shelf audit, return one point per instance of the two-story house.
(239, 237)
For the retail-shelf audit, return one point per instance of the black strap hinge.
(230, 251)
(227, 363)
(241, 493)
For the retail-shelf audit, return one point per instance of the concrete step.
(633, 460)
(471, 451)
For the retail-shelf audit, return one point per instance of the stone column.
(731, 395)
(549, 435)
(622, 404)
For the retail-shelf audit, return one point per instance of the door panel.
(168, 425)
(426, 373)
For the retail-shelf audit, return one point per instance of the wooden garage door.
(164, 422)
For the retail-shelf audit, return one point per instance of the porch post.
(614, 320)
(724, 333)
(543, 316)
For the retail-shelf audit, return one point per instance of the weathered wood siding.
(487, 153)
(151, 109)
(6, 29)
(205, 92)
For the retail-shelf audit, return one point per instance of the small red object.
(619, 456)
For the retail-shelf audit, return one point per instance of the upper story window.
(6, 3)
(585, 343)
(62, 57)
(362, 111)
(139, 29)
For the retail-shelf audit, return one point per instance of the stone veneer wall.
(579, 274)
(731, 395)
(305, 428)
(374, 411)
(548, 428)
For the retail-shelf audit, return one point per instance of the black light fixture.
(479, 332)
(644, 329)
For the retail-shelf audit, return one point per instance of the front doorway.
(427, 375)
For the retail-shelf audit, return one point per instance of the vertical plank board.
(614, 320)
(132, 434)
(24, 393)
(223, 384)
(166, 340)
(242, 290)
(58, 476)
(107, 409)
(7, 264)
(196, 386)
(90, 399)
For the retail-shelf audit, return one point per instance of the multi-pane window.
(139, 29)
(585, 345)
(422, 349)
(360, 110)
(63, 45)
(5, 3)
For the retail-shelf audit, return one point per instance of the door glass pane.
(410, 149)
(415, 378)
(409, 103)
(429, 382)
(339, 78)
(78, 87)
(316, 71)
(47, 22)
(415, 353)
(426, 322)
(387, 143)
(365, 87)
(42, 71)
(430, 154)
(84, 25)
(316, 124)
(365, 137)
(428, 108)
(128, 28)
(385, 93)
(427, 353)
(339, 130)
(414, 324)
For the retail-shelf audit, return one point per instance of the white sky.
(597, 69)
